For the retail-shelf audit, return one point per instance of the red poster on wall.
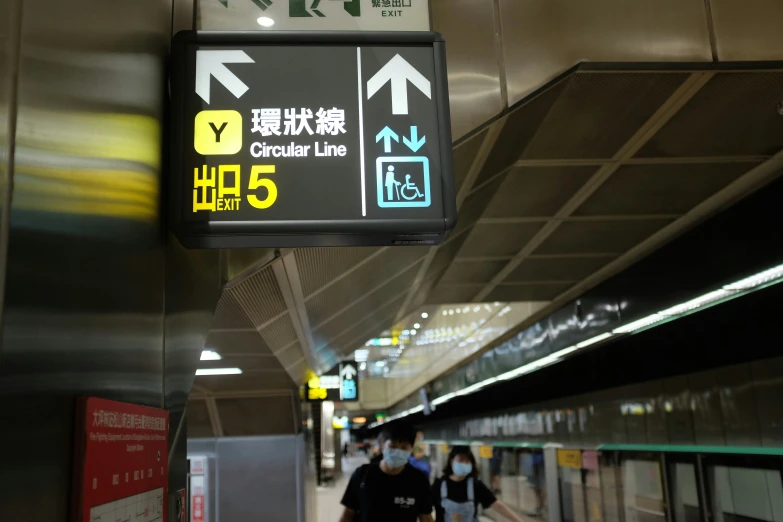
(121, 464)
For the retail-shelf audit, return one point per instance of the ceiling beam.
(287, 276)
(692, 85)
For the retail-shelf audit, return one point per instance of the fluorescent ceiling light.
(219, 371)
(265, 21)
(361, 355)
(441, 400)
(639, 324)
(693, 304)
(424, 315)
(593, 340)
(210, 355)
(756, 280)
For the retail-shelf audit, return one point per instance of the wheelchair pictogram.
(393, 192)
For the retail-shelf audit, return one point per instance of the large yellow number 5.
(257, 181)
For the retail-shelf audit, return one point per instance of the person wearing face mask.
(459, 492)
(392, 490)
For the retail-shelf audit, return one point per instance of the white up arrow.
(211, 63)
(348, 372)
(399, 72)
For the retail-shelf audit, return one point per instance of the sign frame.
(284, 234)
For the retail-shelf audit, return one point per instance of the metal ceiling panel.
(556, 268)
(358, 335)
(734, 114)
(501, 239)
(229, 314)
(280, 333)
(343, 319)
(476, 204)
(447, 294)
(598, 112)
(320, 266)
(519, 128)
(372, 274)
(290, 356)
(660, 188)
(537, 191)
(237, 342)
(475, 91)
(248, 382)
(528, 292)
(748, 30)
(542, 38)
(197, 417)
(261, 284)
(257, 416)
(472, 271)
(584, 237)
(464, 156)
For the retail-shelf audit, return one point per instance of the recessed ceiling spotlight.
(265, 21)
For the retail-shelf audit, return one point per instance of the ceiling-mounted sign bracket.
(310, 139)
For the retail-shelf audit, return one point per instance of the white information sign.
(313, 15)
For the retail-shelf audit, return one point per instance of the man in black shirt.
(392, 490)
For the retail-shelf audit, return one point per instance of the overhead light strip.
(219, 371)
(730, 291)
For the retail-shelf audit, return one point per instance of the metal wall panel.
(96, 303)
(748, 29)
(474, 73)
(542, 38)
(257, 478)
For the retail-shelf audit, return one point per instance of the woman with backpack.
(459, 492)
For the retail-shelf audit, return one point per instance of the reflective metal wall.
(99, 300)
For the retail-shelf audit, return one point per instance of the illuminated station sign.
(310, 139)
(341, 383)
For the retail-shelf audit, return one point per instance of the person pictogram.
(392, 185)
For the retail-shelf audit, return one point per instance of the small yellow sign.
(444, 448)
(217, 132)
(569, 458)
(485, 452)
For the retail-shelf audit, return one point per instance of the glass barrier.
(642, 490)
(745, 494)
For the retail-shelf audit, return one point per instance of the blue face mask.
(396, 458)
(461, 469)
